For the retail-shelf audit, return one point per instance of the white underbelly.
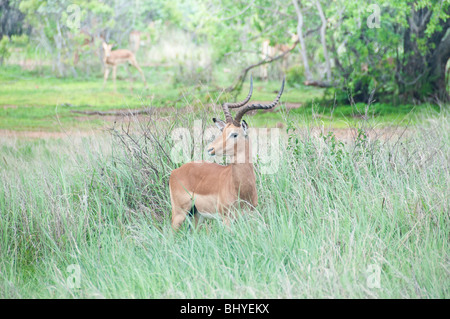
(206, 204)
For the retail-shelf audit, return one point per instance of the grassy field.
(89, 217)
(331, 217)
(31, 100)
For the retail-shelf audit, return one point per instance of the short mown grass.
(330, 214)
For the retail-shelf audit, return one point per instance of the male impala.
(116, 57)
(205, 188)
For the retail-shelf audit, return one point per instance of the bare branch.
(319, 84)
(239, 13)
(118, 113)
(238, 85)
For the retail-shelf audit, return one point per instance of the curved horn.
(227, 106)
(240, 114)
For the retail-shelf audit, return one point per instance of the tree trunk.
(421, 75)
(323, 39)
(301, 39)
(437, 65)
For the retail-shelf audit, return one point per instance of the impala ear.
(219, 123)
(244, 126)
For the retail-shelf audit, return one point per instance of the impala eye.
(234, 135)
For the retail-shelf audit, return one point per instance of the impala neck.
(243, 153)
(242, 173)
(242, 163)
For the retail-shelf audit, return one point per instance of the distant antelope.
(116, 57)
(269, 51)
(204, 188)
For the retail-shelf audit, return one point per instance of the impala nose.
(211, 151)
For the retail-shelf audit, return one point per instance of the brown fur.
(208, 188)
(116, 57)
(215, 188)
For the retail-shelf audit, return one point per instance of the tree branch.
(238, 84)
(239, 13)
(119, 113)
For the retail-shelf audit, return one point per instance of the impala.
(205, 189)
(114, 58)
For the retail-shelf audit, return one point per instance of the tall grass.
(331, 213)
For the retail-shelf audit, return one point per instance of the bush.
(295, 75)
(190, 70)
(20, 40)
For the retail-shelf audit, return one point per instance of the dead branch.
(118, 113)
(319, 84)
(240, 80)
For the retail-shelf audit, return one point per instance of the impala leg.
(178, 217)
(114, 72)
(130, 77)
(198, 219)
(226, 216)
(105, 76)
(136, 65)
(181, 204)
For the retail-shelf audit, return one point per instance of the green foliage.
(366, 59)
(295, 75)
(336, 146)
(294, 142)
(20, 40)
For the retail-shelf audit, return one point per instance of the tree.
(11, 19)
(384, 50)
(60, 26)
(301, 39)
(402, 58)
(426, 50)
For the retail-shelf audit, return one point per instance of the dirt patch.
(9, 106)
(120, 117)
(347, 135)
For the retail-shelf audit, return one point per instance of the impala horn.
(240, 114)
(227, 106)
